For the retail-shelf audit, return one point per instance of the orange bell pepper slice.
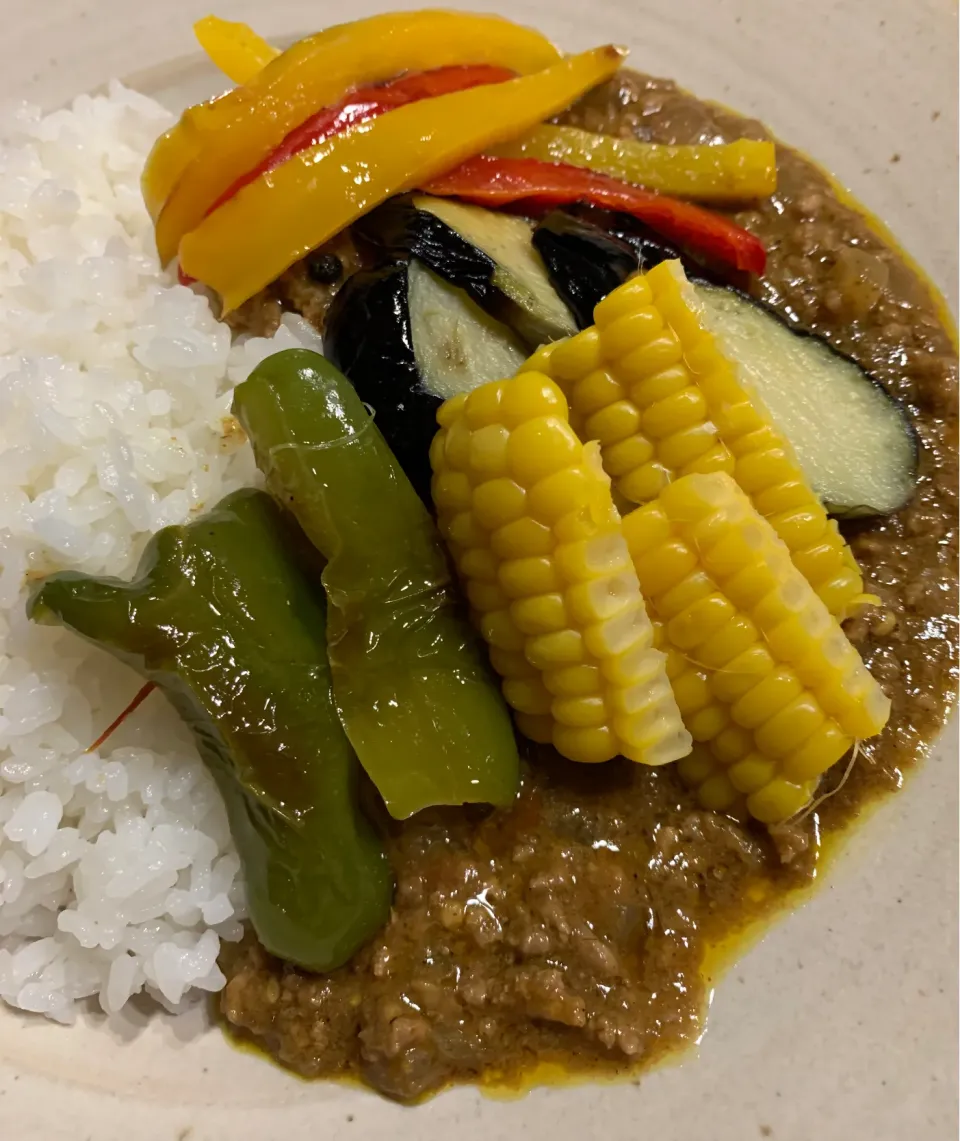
(234, 48)
(242, 127)
(271, 223)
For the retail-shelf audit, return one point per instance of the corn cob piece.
(766, 680)
(649, 382)
(527, 513)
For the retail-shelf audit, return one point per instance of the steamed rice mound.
(117, 871)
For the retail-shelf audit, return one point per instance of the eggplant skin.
(398, 230)
(368, 338)
(584, 262)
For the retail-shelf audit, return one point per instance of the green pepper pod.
(410, 680)
(224, 621)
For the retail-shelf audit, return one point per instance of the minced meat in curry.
(572, 928)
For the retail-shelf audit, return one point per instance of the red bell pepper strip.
(367, 103)
(489, 181)
(358, 107)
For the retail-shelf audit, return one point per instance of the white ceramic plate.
(841, 1025)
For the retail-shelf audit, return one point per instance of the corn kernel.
(778, 800)
(510, 664)
(451, 410)
(628, 333)
(485, 596)
(531, 396)
(707, 723)
(487, 451)
(752, 773)
(576, 356)
(693, 588)
(699, 621)
(629, 297)
(573, 681)
(558, 494)
(521, 578)
(717, 793)
(538, 448)
(542, 614)
(588, 559)
(498, 629)
(772, 693)
(547, 651)
(478, 562)
(498, 502)
(580, 712)
(613, 424)
(602, 598)
(621, 459)
(696, 767)
(527, 695)
(654, 356)
(482, 406)
(588, 746)
(821, 750)
(524, 538)
(595, 391)
(644, 483)
(659, 385)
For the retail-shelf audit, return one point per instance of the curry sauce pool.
(570, 932)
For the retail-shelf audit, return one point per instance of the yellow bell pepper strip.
(730, 172)
(251, 239)
(241, 128)
(234, 48)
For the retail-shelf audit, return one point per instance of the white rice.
(117, 870)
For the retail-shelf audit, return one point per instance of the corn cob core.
(527, 514)
(766, 680)
(649, 382)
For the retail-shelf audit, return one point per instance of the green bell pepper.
(411, 682)
(226, 623)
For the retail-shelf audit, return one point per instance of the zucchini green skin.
(223, 618)
(399, 229)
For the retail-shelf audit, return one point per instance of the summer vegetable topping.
(407, 341)
(490, 181)
(280, 217)
(414, 695)
(364, 104)
(490, 255)
(729, 172)
(243, 127)
(223, 620)
(653, 386)
(528, 517)
(234, 48)
(854, 441)
(763, 674)
(584, 263)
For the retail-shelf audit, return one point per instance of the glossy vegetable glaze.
(414, 693)
(222, 618)
(573, 928)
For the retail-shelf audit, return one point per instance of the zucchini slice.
(407, 340)
(488, 254)
(855, 442)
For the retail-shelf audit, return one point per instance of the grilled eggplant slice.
(855, 442)
(584, 262)
(408, 340)
(488, 254)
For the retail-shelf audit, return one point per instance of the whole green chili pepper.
(223, 620)
(410, 680)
